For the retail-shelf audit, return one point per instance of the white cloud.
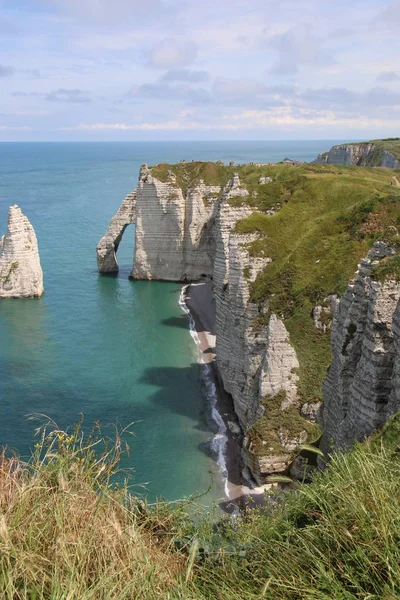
(72, 96)
(9, 128)
(296, 47)
(110, 12)
(388, 76)
(388, 18)
(250, 120)
(6, 71)
(171, 54)
(185, 75)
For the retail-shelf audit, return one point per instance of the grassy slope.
(337, 538)
(329, 218)
(67, 533)
(390, 144)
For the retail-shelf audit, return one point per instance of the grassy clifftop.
(390, 144)
(328, 219)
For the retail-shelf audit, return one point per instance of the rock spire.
(21, 275)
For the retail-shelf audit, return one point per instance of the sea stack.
(21, 274)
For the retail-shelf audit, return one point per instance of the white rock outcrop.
(108, 245)
(278, 371)
(361, 389)
(362, 154)
(174, 229)
(21, 275)
(186, 234)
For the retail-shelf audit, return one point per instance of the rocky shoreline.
(240, 492)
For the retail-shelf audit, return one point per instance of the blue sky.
(210, 69)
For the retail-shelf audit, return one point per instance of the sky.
(199, 69)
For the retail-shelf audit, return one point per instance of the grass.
(67, 533)
(329, 220)
(329, 217)
(388, 268)
(263, 435)
(335, 538)
(188, 173)
(389, 144)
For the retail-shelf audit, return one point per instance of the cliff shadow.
(195, 392)
(181, 322)
(179, 391)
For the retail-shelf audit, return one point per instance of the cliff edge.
(21, 275)
(376, 153)
(280, 243)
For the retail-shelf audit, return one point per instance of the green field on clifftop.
(329, 217)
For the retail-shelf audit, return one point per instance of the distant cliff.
(281, 243)
(21, 275)
(377, 153)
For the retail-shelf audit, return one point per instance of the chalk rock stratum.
(21, 275)
(361, 389)
(185, 230)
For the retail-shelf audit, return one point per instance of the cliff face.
(21, 275)
(361, 389)
(174, 229)
(363, 154)
(280, 249)
(186, 234)
(256, 361)
(174, 238)
(108, 245)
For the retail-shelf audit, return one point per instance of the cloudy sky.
(190, 69)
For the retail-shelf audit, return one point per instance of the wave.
(218, 443)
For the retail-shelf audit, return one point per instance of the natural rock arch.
(108, 245)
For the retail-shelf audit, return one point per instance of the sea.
(107, 349)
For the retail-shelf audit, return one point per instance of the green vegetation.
(67, 533)
(187, 173)
(329, 217)
(264, 433)
(337, 538)
(389, 144)
(388, 268)
(12, 268)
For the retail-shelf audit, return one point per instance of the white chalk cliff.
(21, 275)
(185, 231)
(108, 245)
(186, 234)
(362, 388)
(362, 154)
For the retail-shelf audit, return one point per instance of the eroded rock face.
(21, 275)
(361, 388)
(107, 247)
(187, 234)
(174, 230)
(277, 378)
(363, 154)
(254, 360)
(278, 371)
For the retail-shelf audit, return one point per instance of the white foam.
(220, 439)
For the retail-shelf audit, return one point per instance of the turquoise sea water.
(113, 349)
